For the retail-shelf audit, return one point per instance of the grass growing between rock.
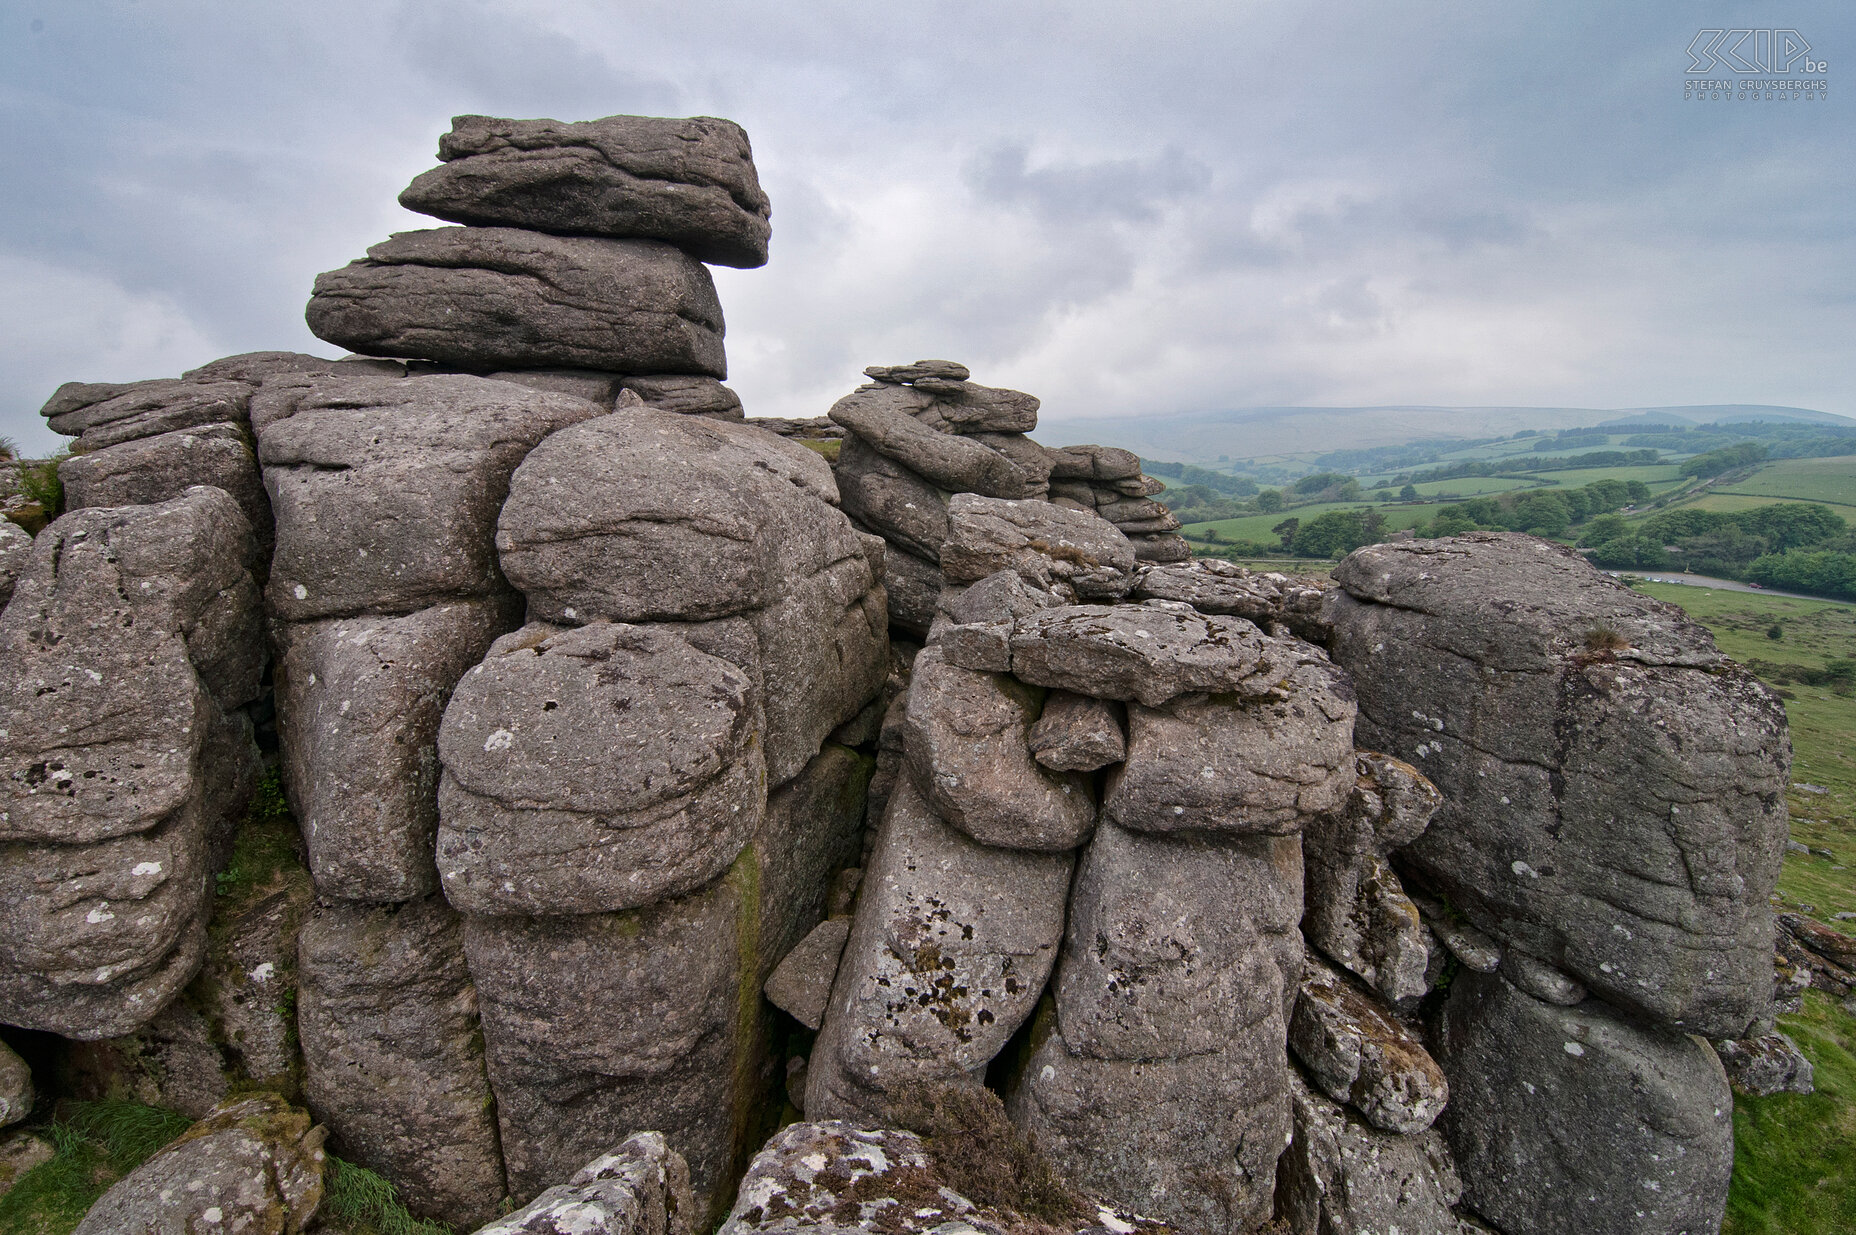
(96, 1144)
(1795, 1154)
(356, 1201)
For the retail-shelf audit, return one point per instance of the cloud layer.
(1124, 209)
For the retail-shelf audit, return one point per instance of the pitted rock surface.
(138, 619)
(967, 752)
(951, 946)
(1613, 786)
(687, 181)
(488, 298)
(592, 769)
(393, 1054)
(359, 700)
(386, 491)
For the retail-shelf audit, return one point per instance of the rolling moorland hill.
(1264, 432)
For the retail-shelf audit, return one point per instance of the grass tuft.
(361, 1202)
(94, 1144)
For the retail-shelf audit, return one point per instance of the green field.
(1831, 480)
(1795, 1154)
(1257, 527)
(1658, 476)
(1473, 486)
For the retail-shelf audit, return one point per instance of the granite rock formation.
(636, 768)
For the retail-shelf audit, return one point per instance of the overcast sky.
(1122, 208)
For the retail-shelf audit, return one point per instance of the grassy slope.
(1831, 480)
(1795, 1154)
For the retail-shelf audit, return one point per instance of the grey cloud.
(1125, 190)
(1119, 209)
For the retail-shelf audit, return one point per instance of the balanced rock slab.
(489, 298)
(386, 491)
(1138, 652)
(359, 701)
(393, 1054)
(1613, 786)
(950, 948)
(690, 182)
(886, 418)
(1042, 542)
(592, 769)
(1230, 763)
(1629, 1129)
(890, 499)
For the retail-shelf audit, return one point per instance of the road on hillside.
(1724, 585)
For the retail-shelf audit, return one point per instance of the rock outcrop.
(129, 648)
(646, 765)
(1612, 785)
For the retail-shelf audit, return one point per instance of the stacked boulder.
(1109, 482)
(130, 649)
(1141, 773)
(921, 433)
(1610, 826)
(640, 811)
(613, 825)
(579, 265)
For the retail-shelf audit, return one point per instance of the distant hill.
(1261, 432)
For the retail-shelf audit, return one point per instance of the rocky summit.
(492, 760)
